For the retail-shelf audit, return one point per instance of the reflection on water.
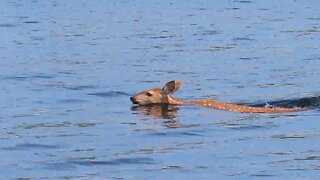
(168, 113)
(162, 111)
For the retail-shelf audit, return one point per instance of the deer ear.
(172, 86)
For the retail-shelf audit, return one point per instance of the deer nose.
(132, 99)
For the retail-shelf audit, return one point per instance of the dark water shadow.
(71, 101)
(119, 161)
(92, 161)
(306, 102)
(236, 125)
(81, 87)
(57, 166)
(27, 146)
(162, 111)
(110, 94)
(308, 158)
(31, 22)
(289, 136)
(31, 77)
(8, 25)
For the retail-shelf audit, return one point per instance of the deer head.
(157, 95)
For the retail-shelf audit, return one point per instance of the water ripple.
(308, 158)
(119, 161)
(45, 125)
(31, 22)
(110, 94)
(8, 25)
(66, 101)
(60, 166)
(81, 87)
(28, 146)
(243, 126)
(288, 136)
(161, 37)
(23, 77)
(174, 134)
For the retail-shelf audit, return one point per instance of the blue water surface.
(68, 68)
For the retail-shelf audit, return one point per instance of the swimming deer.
(163, 96)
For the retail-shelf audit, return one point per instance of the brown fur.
(163, 96)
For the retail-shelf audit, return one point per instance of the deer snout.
(134, 100)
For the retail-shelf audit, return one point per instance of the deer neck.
(171, 100)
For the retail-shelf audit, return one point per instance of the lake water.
(68, 68)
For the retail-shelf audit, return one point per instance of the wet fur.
(164, 96)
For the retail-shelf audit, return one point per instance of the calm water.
(68, 68)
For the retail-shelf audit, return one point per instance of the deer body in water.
(163, 96)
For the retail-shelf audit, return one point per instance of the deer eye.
(148, 94)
